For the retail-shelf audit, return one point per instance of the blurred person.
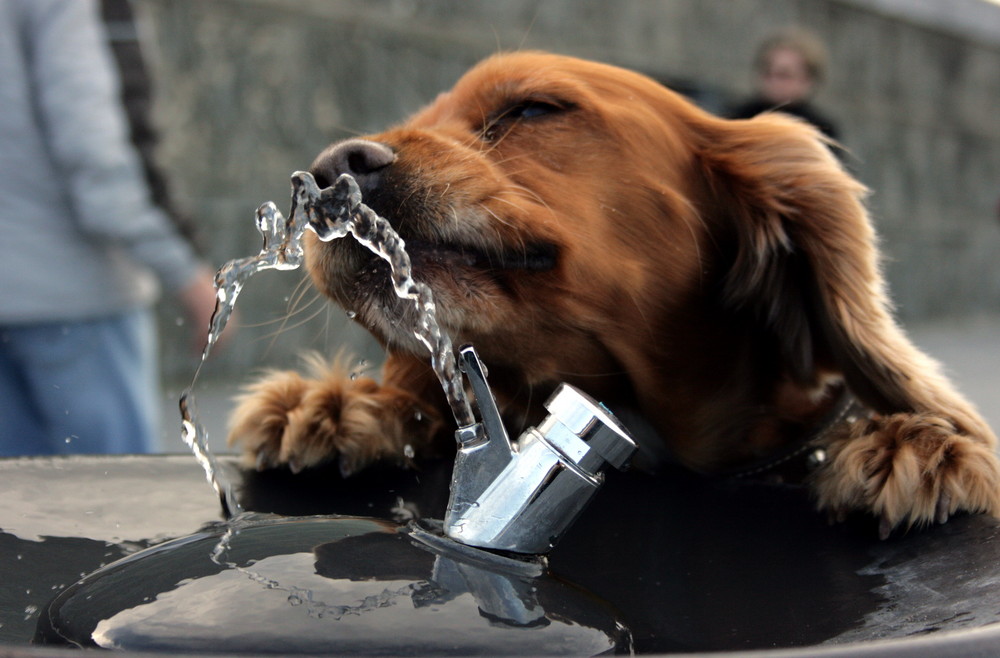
(136, 96)
(85, 249)
(790, 67)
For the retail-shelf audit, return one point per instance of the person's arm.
(79, 104)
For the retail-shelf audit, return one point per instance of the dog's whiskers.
(285, 326)
(495, 216)
(533, 196)
(297, 309)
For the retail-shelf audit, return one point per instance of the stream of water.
(332, 213)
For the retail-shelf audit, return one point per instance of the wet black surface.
(315, 584)
(686, 564)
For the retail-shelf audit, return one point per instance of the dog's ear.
(803, 259)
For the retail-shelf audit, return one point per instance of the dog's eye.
(533, 110)
(527, 110)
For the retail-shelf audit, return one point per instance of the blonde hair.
(805, 42)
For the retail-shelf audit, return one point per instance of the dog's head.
(546, 201)
(581, 222)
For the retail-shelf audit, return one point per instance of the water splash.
(331, 213)
(337, 211)
(282, 250)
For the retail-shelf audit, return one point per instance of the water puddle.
(299, 595)
(332, 213)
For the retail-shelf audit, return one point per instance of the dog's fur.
(578, 222)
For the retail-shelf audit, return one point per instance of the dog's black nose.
(361, 158)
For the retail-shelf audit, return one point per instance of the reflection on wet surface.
(687, 564)
(63, 517)
(307, 585)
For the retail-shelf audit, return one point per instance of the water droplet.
(352, 314)
(408, 451)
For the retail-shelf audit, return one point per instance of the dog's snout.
(361, 158)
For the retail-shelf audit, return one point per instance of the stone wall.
(251, 90)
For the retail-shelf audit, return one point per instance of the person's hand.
(198, 298)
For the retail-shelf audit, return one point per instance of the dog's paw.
(909, 469)
(287, 419)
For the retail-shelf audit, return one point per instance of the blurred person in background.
(85, 247)
(790, 67)
(122, 34)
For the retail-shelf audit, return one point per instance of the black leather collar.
(795, 461)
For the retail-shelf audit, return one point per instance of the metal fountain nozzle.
(522, 496)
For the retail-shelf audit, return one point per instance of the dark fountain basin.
(667, 564)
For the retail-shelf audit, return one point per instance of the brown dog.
(581, 223)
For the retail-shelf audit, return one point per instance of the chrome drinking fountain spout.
(522, 496)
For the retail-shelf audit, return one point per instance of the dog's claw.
(941, 513)
(294, 465)
(264, 460)
(345, 466)
(884, 528)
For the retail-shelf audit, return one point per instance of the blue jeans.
(79, 387)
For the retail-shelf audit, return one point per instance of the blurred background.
(248, 91)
